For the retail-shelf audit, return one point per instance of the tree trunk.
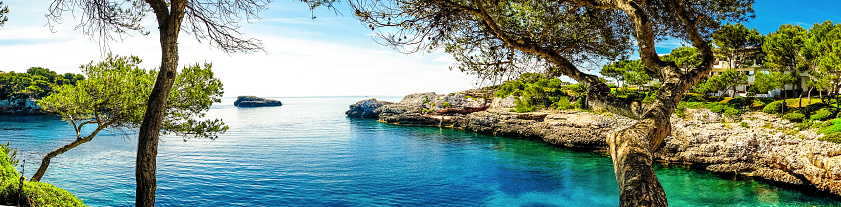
(800, 100)
(45, 162)
(632, 151)
(147, 141)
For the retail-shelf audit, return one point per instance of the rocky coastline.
(758, 145)
(253, 101)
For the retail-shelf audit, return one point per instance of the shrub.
(35, 193)
(821, 115)
(581, 103)
(738, 102)
(744, 124)
(834, 138)
(732, 112)
(695, 105)
(563, 104)
(794, 117)
(719, 108)
(522, 105)
(774, 107)
(680, 111)
(829, 127)
(447, 105)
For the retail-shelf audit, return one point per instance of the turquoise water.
(308, 153)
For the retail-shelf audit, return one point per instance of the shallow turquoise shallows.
(308, 153)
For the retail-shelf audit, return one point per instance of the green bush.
(34, 193)
(832, 126)
(834, 138)
(581, 103)
(744, 124)
(522, 105)
(732, 112)
(738, 102)
(695, 105)
(563, 104)
(680, 110)
(774, 107)
(447, 105)
(794, 117)
(719, 108)
(821, 115)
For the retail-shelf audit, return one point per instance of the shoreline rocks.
(253, 101)
(757, 145)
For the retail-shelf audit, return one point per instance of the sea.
(309, 153)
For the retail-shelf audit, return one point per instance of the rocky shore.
(253, 101)
(757, 145)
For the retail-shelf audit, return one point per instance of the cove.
(308, 153)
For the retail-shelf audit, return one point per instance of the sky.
(331, 55)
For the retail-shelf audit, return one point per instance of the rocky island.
(760, 146)
(253, 101)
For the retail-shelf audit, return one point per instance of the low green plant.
(794, 117)
(744, 124)
(34, 193)
(821, 115)
(774, 107)
(564, 104)
(695, 105)
(581, 103)
(424, 110)
(834, 138)
(522, 105)
(680, 110)
(732, 112)
(832, 126)
(447, 105)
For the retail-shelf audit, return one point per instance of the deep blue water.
(308, 153)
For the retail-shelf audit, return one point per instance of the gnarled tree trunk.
(45, 162)
(632, 151)
(169, 22)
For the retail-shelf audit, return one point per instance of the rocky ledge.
(759, 145)
(253, 101)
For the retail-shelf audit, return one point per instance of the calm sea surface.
(308, 153)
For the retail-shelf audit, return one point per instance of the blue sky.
(330, 55)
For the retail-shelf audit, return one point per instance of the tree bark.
(632, 152)
(169, 24)
(45, 162)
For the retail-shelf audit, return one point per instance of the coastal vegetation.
(35, 83)
(113, 96)
(14, 190)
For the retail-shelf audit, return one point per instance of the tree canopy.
(737, 43)
(36, 83)
(3, 11)
(113, 97)
(497, 38)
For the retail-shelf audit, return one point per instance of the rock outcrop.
(756, 145)
(366, 108)
(253, 101)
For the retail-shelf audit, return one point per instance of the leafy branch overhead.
(114, 94)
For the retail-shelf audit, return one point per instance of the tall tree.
(821, 54)
(783, 51)
(686, 58)
(213, 20)
(738, 44)
(731, 79)
(569, 35)
(114, 96)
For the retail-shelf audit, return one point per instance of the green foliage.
(731, 112)
(821, 115)
(34, 193)
(3, 11)
(695, 105)
(734, 40)
(631, 71)
(581, 103)
(522, 105)
(563, 104)
(115, 93)
(775, 107)
(684, 57)
(834, 138)
(794, 117)
(447, 104)
(680, 110)
(650, 97)
(537, 91)
(36, 83)
(744, 124)
(831, 126)
(782, 48)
